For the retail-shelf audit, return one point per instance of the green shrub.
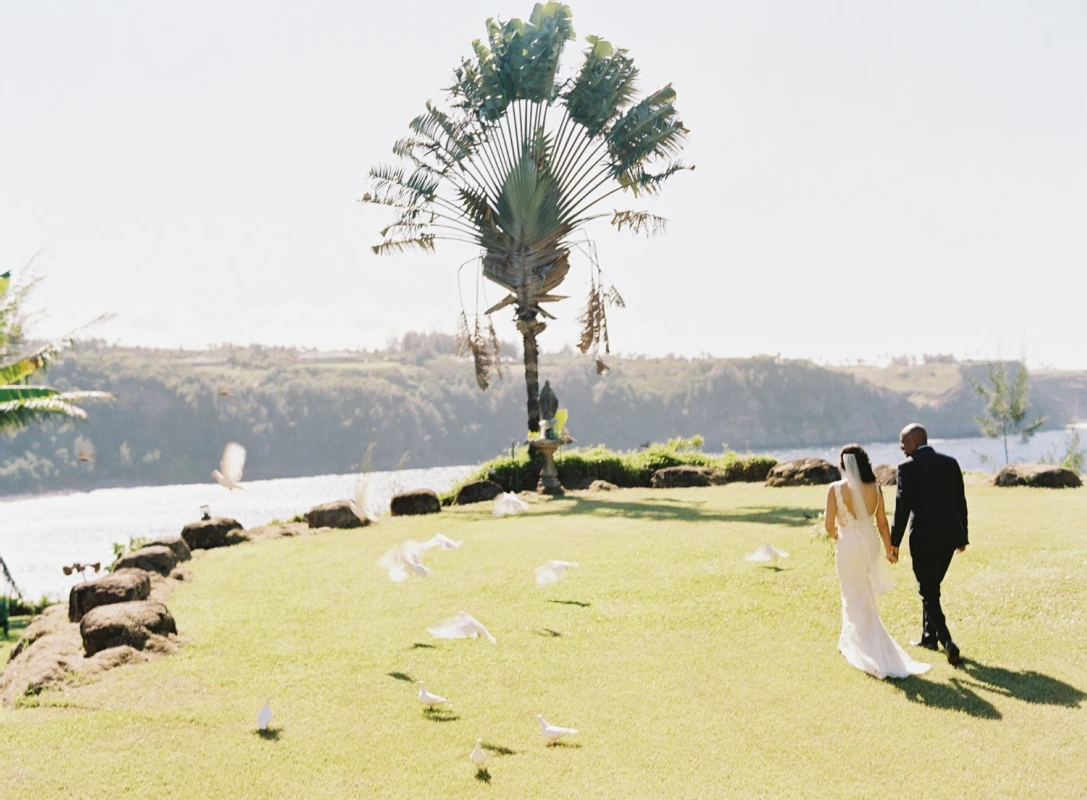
(580, 466)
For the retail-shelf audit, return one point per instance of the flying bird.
(553, 732)
(462, 626)
(442, 541)
(402, 561)
(553, 571)
(766, 553)
(430, 700)
(363, 504)
(264, 716)
(508, 503)
(231, 465)
(478, 756)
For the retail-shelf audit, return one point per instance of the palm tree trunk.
(530, 328)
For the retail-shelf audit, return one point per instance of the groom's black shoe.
(928, 644)
(954, 658)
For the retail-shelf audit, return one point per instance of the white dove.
(264, 716)
(363, 504)
(231, 465)
(442, 541)
(478, 755)
(766, 553)
(508, 503)
(553, 571)
(430, 700)
(403, 560)
(462, 626)
(553, 732)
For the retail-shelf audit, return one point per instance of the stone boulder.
(135, 624)
(602, 486)
(886, 474)
(1044, 476)
(420, 501)
(156, 558)
(214, 532)
(681, 477)
(803, 472)
(288, 529)
(477, 492)
(48, 652)
(123, 586)
(334, 515)
(175, 543)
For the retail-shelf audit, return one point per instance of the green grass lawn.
(689, 672)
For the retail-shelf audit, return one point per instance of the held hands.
(892, 554)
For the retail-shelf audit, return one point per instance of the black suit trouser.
(930, 568)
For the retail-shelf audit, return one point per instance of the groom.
(932, 500)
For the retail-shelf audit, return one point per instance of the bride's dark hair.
(864, 464)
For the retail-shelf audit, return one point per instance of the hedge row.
(578, 467)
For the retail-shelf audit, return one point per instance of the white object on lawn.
(508, 503)
(553, 571)
(264, 716)
(462, 626)
(231, 465)
(553, 732)
(442, 541)
(766, 553)
(430, 700)
(479, 755)
(403, 560)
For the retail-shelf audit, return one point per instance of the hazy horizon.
(870, 181)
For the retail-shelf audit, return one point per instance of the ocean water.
(39, 535)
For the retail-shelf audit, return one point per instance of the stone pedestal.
(549, 475)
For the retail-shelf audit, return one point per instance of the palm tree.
(22, 404)
(518, 165)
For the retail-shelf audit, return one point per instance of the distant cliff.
(305, 413)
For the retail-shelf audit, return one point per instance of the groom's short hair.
(917, 431)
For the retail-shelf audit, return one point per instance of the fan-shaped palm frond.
(519, 162)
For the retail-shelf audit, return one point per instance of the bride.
(852, 504)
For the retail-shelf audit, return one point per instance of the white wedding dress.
(864, 641)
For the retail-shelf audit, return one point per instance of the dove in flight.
(766, 553)
(442, 541)
(478, 756)
(403, 560)
(264, 716)
(553, 571)
(553, 732)
(462, 626)
(231, 465)
(363, 504)
(430, 700)
(508, 503)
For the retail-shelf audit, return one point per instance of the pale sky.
(872, 178)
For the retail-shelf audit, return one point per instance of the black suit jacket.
(932, 500)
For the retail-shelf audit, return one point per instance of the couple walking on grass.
(931, 501)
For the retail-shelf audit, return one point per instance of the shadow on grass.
(577, 603)
(401, 676)
(422, 646)
(548, 633)
(498, 749)
(440, 715)
(957, 695)
(270, 734)
(961, 695)
(690, 511)
(1026, 685)
(565, 745)
(483, 775)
